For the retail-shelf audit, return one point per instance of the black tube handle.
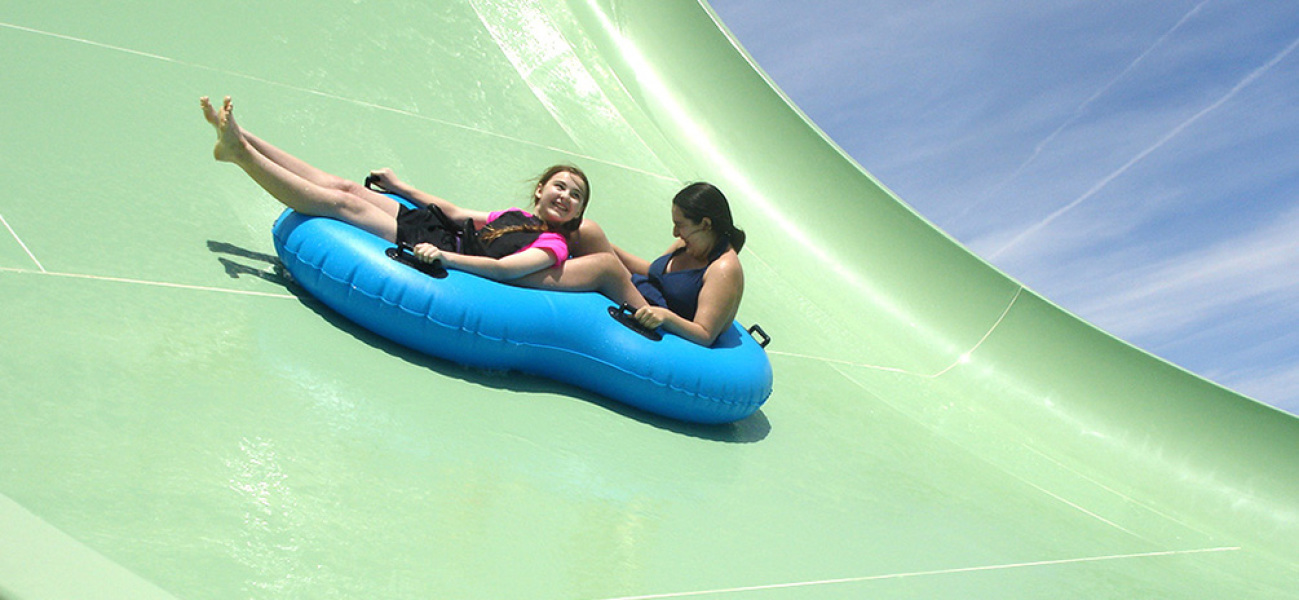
(625, 314)
(766, 339)
(372, 184)
(405, 255)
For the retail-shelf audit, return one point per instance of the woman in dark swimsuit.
(694, 289)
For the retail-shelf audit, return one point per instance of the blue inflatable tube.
(566, 336)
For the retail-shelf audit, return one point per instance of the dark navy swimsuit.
(678, 290)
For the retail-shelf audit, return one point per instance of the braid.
(489, 235)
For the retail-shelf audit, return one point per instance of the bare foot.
(230, 146)
(209, 113)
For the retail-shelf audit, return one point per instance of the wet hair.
(700, 200)
(564, 229)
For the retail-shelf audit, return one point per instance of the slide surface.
(180, 422)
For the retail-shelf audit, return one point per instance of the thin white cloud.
(1077, 113)
(1255, 271)
(1100, 185)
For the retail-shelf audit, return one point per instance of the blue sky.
(1135, 162)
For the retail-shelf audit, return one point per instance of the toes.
(209, 112)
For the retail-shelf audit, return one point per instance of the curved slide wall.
(179, 422)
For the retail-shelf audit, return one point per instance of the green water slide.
(179, 422)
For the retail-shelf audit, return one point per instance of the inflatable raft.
(576, 338)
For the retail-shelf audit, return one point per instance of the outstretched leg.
(294, 164)
(293, 189)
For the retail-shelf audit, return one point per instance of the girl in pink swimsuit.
(540, 239)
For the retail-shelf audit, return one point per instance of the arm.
(505, 269)
(719, 301)
(388, 181)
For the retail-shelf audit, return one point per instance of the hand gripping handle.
(625, 314)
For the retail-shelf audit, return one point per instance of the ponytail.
(737, 238)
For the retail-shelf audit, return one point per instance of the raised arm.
(388, 180)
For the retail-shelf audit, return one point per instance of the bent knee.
(347, 186)
(610, 269)
(606, 263)
(590, 239)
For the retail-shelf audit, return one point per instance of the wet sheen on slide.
(182, 422)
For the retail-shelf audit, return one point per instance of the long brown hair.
(564, 229)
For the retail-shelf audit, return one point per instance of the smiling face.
(560, 199)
